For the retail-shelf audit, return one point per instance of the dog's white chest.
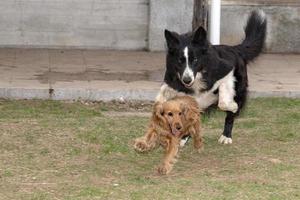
(204, 99)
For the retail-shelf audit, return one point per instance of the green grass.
(59, 150)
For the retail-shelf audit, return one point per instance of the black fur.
(215, 61)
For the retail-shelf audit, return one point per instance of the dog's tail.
(255, 31)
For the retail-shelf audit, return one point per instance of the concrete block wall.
(283, 22)
(112, 24)
(169, 15)
(135, 24)
(283, 34)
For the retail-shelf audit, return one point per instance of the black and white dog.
(212, 73)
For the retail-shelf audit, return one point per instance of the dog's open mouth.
(185, 85)
(188, 85)
(175, 132)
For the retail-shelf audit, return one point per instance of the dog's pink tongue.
(175, 132)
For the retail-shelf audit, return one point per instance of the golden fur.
(171, 121)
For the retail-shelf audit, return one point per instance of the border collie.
(212, 73)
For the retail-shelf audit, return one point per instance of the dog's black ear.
(199, 36)
(172, 39)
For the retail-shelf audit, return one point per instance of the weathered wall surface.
(168, 15)
(283, 33)
(283, 22)
(112, 24)
(135, 24)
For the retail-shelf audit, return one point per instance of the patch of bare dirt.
(122, 106)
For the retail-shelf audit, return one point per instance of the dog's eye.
(170, 114)
(179, 113)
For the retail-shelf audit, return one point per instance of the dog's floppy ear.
(199, 37)
(185, 110)
(158, 111)
(172, 39)
(189, 112)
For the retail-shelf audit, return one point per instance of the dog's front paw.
(200, 150)
(231, 106)
(199, 146)
(140, 145)
(164, 169)
(225, 140)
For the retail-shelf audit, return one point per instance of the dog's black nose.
(178, 127)
(187, 80)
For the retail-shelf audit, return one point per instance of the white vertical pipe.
(215, 18)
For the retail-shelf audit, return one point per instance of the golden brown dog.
(171, 121)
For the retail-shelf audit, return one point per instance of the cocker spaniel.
(171, 121)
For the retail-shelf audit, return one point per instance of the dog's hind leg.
(147, 142)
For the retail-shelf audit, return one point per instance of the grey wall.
(114, 24)
(165, 14)
(283, 34)
(135, 24)
(283, 22)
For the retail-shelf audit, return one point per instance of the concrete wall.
(283, 26)
(133, 24)
(114, 24)
(168, 15)
(283, 22)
